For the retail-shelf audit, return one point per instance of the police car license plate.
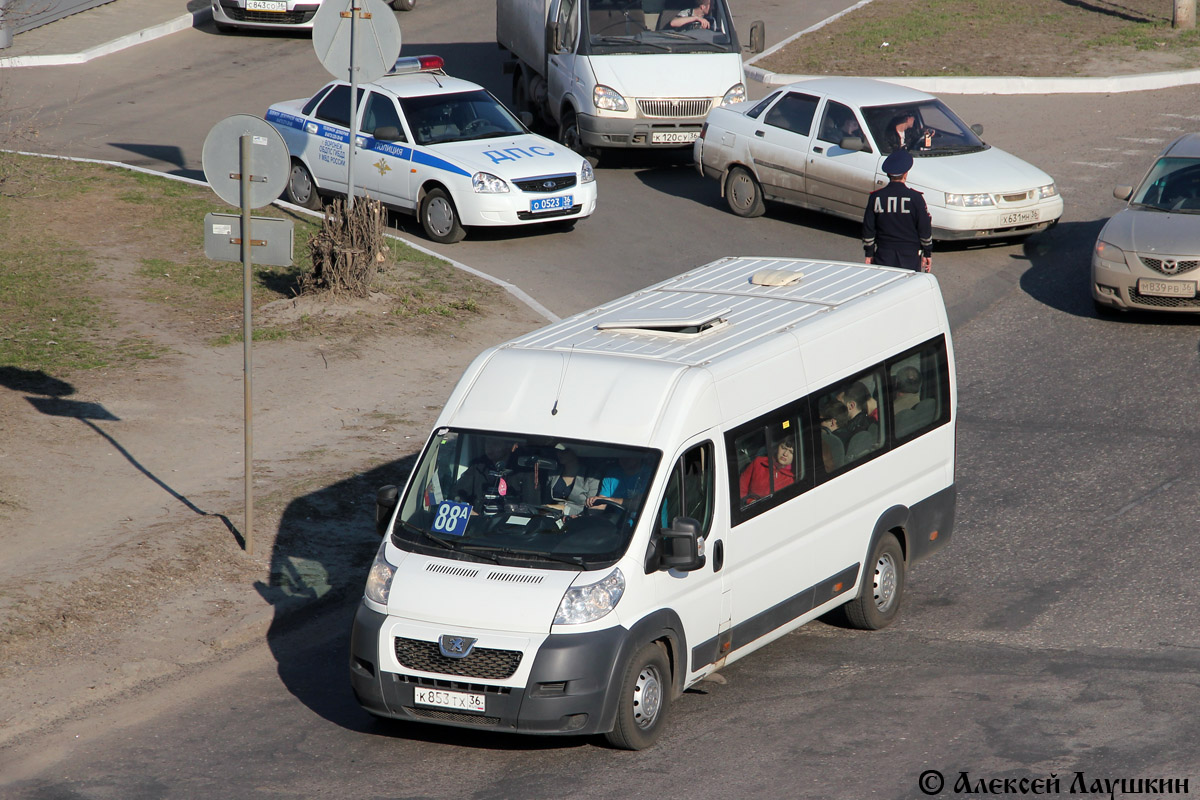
(1019, 217)
(266, 5)
(551, 203)
(459, 701)
(674, 137)
(1166, 288)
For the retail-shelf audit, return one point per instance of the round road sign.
(270, 165)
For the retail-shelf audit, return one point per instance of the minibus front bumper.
(567, 692)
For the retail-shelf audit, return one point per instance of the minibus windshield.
(519, 500)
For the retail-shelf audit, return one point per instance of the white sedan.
(819, 144)
(435, 146)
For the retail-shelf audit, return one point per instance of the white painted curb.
(181, 23)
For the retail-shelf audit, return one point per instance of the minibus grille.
(483, 662)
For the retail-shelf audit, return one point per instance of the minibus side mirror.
(385, 503)
(681, 546)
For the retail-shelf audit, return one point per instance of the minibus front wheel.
(878, 602)
(644, 700)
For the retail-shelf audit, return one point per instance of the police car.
(439, 147)
(820, 144)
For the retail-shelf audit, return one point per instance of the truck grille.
(484, 663)
(546, 183)
(684, 107)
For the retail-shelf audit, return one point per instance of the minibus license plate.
(1167, 288)
(1019, 217)
(266, 5)
(551, 203)
(459, 701)
(674, 137)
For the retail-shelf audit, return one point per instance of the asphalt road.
(1055, 636)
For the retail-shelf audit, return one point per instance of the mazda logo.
(455, 646)
(1170, 267)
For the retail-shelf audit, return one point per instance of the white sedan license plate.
(1019, 217)
(551, 203)
(674, 137)
(266, 5)
(1167, 288)
(459, 701)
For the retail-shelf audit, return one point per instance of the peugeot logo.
(1170, 267)
(548, 185)
(455, 646)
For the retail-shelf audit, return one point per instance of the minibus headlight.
(608, 99)
(588, 603)
(587, 174)
(487, 183)
(379, 579)
(736, 94)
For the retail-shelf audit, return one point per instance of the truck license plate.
(674, 137)
(1167, 288)
(459, 701)
(551, 203)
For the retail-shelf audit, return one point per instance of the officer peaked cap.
(898, 163)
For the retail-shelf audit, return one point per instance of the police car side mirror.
(978, 129)
(526, 118)
(852, 143)
(387, 133)
(385, 503)
(681, 545)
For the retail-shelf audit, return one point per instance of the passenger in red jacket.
(767, 475)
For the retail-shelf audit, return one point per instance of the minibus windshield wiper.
(436, 539)
(575, 561)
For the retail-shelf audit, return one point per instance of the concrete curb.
(516, 291)
(148, 34)
(1115, 84)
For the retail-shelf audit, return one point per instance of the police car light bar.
(417, 64)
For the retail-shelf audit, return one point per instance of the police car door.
(329, 139)
(837, 179)
(779, 145)
(698, 597)
(385, 155)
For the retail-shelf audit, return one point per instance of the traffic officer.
(896, 227)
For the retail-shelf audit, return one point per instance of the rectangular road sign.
(271, 241)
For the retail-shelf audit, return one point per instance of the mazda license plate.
(457, 701)
(551, 203)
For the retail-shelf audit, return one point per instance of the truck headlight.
(379, 579)
(736, 94)
(587, 174)
(588, 603)
(487, 183)
(969, 200)
(608, 99)
(1047, 191)
(1112, 256)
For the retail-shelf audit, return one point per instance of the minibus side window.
(853, 423)
(919, 390)
(690, 488)
(768, 461)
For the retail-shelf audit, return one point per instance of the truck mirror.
(681, 546)
(758, 36)
(554, 37)
(385, 504)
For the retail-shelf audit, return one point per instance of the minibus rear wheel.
(644, 700)
(878, 602)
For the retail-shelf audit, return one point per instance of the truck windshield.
(524, 500)
(656, 26)
(440, 118)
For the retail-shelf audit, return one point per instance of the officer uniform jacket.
(896, 228)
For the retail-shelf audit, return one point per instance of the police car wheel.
(404, 5)
(743, 194)
(439, 218)
(301, 189)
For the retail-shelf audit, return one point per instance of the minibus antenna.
(562, 377)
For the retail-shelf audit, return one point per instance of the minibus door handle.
(718, 555)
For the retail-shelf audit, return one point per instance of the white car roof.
(861, 91)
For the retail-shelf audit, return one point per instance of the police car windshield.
(524, 500)
(441, 118)
(949, 134)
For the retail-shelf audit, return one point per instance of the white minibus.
(615, 506)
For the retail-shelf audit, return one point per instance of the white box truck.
(617, 505)
(623, 73)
